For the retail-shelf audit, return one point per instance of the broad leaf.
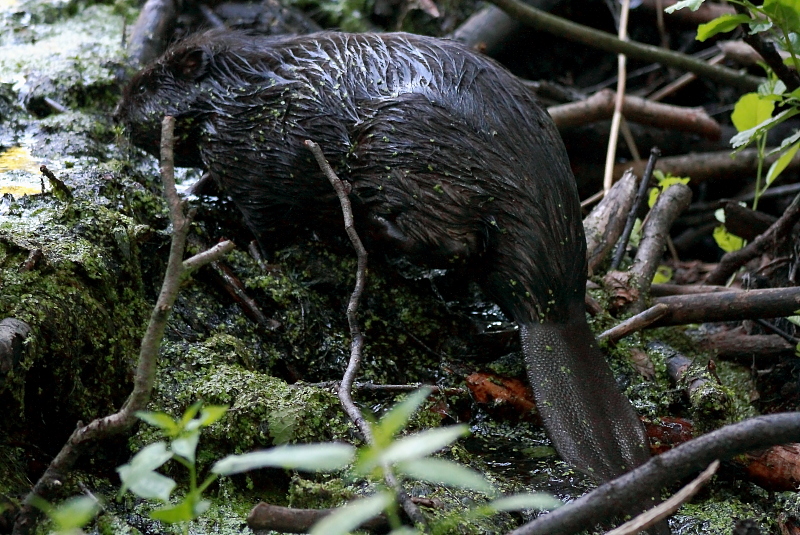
(516, 502)
(750, 111)
(694, 5)
(785, 13)
(149, 485)
(139, 476)
(186, 445)
(423, 443)
(211, 414)
(444, 472)
(743, 138)
(727, 242)
(74, 513)
(780, 164)
(348, 518)
(162, 420)
(397, 417)
(309, 457)
(725, 23)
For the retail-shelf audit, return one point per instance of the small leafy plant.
(140, 476)
(410, 457)
(777, 21)
(70, 516)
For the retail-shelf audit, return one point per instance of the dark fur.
(450, 160)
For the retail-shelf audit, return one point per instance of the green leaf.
(750, 111)
(347, 518)
(727, 242)
(172, 514)
(743, 138)
(423, 443)
(74, 513)
(186, 445)
(162, 420)
(780, 164)
(694, 5)
(188, 423)
(785, 13)
(212, 413)
(309, 457)
(664, 182)
(444, 472)
(722, 24)
(405, 530)
(149, 485)
(397, 417)
(663, 274)
(139, 476)
(516, 502)
(758, 26)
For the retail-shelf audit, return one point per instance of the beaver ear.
(192, 64)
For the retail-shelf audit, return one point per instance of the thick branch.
(600, 107)
(703, 166)
(615, 498)
(779, 230)
(729, 306)
(654, 239)
(605, 223)
(560, 27)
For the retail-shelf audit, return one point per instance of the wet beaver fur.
(450, 161)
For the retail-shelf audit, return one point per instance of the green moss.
(717, 516)
(85, 325)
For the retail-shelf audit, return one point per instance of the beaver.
(450, 161)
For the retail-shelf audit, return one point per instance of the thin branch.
(357, 337)
(616, 119)
(144, 378)
(615, 497)
(631, 220)
(734, 260)
(665, 509)
(546, 22)
(655, 230)
(634, 323)
(788, 76)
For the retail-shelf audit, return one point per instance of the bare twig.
(616, 497)
(665, 509)
(681, 82)
(654, 239)
(729, 306)
(268, 517)
(705, 166)
(144, 377)
(631, 220)
(357, 337)
(600, 106)
(616, 119)
(635, 323)
(662, 290)
(734, 260)
(605, 223)
(540, 20)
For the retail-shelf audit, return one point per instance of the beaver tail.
(592, 425)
